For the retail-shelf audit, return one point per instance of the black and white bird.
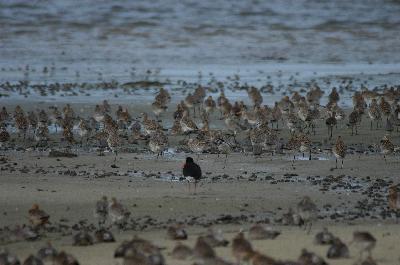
(192, 172)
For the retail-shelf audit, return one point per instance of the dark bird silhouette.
(192, 172)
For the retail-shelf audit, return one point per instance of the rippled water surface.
(165, 32)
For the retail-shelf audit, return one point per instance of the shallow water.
(159, 32)
(264, 42)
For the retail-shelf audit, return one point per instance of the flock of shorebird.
(257, 125)
(139, 251)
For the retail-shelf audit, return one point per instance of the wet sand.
(247, 191)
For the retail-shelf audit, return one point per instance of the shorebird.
(32, 120)
(310, 258)
(197, 145)
(106, 106)
(242, 249)
(64, 258)
(225, 108)
(394, 200)
(354, 120)
(324, 237)
(387, 146)
(338, 250)
(4, 116)
(223, 146)
(123, 119)
(330, 123)
(82, 238)
(276, 115)
(176, 232)
(181, 252)
(190, 101)
(158, 108)
(103, 235)
(68, 112)
(202, 250)
(163, 96)
(187, 124)
(385, 107)
(47, 253)
(4, 135)
(7, 258)
(255, 96)
(374, 113)
(192, 172)
(55, 117)
(339, 150)
(31, 260)
(209, 105)
(158, 142)
(21, 124)
(364, 241)
(84, 130)
(215, 238)
(98, 114)
(140, 250)
(260, 259)
(314, 95)
(38, 217)
(221, 100)
(308, 211)
(118, 213)
(259, 232)
(176, 128)
(113, 142)
(42, 134)
(334, 95)
(101, 211)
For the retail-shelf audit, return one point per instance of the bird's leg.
(309, 158)
(336, 162)
(309, 228)
(356, 130)
(371, 125)
(342, 163)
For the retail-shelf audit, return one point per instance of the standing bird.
(374, 113)
(387, 146)
(191, 171)
(102, 210)
(364, 241)
(307, 210)
(394, 199)
(338, 250)
(339, 150)
(118, 213)
(242, 249)
(331, 122)
(113, 141)
(38, 217)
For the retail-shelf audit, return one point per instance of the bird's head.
(189, 160)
